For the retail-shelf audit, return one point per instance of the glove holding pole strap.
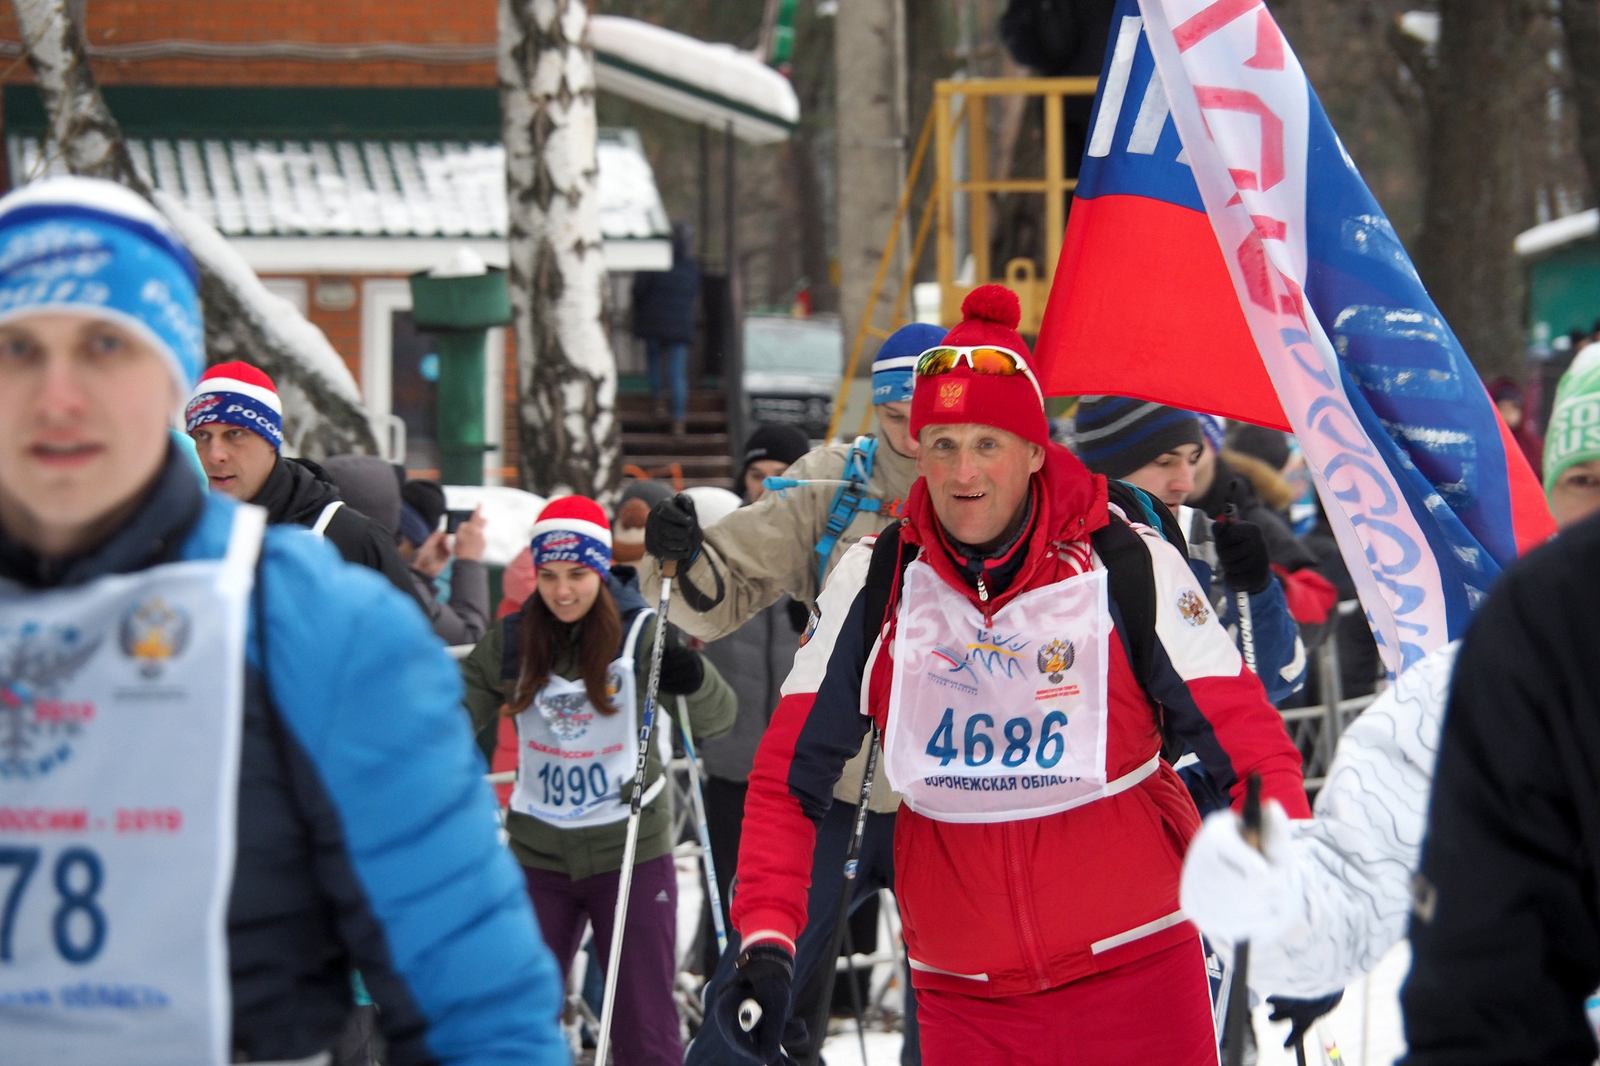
(672, 532)
(1238, 990)
(754, 1007)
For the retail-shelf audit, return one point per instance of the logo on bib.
(957, 672)
(153, 633)
(37, 726)
(1055, 659)
(568, 713)
(1193, 608)
(998, 653)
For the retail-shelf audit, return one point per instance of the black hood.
(296, 493)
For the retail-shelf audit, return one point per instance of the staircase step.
(698, 400)
(695, 421)
(714, 468)
(670, 443)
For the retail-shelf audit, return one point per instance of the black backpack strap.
(1131, 578)
(1144, 508)
(1131, 582)
(888, 566)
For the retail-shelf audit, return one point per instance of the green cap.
(1574, 433)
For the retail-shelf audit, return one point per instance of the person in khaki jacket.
(787, 543)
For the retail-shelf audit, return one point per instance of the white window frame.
(380, 299)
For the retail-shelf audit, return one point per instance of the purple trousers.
(645, 1028)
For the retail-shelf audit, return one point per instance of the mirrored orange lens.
(996, 361)
(937, 361)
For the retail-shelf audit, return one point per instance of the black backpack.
(1130, 577)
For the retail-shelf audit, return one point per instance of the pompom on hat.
(237, 394)
(91, 247)
(989, 318)
(573, 529)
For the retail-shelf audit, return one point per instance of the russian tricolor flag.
(1224, 255)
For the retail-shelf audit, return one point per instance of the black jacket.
(1505, 925)
(664, 300)
(298, 491)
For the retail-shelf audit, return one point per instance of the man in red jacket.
(1039, 850)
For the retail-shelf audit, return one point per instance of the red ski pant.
(1154, 1010)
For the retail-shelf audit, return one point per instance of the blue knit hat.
(895, 362)
(91, 247)
(1115, 436)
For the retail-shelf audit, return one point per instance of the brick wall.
(424, 22)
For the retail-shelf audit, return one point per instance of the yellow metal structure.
(958, 127)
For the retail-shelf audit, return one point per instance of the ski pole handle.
(1252, 811)
(749, 1015)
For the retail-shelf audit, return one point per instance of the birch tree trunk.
(322, 412)
(566, 373)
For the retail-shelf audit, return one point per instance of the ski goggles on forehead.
(987, 360)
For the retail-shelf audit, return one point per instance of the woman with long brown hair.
(570, 668)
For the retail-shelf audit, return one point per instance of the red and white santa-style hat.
(237, 394)
(573, 529)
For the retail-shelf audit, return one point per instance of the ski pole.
(852, 862)
(669, 570)
(1241, 600)
(1238, 988)
(697, 799)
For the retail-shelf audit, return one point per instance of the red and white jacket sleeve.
(815, 730)
(1208, 695)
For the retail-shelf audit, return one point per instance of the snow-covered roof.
(715, 84)
(1548, 236)
(370, 189)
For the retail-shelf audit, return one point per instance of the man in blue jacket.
(232, 767)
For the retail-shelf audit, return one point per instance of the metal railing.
(1316, 729)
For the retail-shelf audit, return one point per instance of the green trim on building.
(293, 114)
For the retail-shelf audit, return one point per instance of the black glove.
(1242, 551)
(682, 670)
(672, 532)
(764, 974)
(1301, 1014)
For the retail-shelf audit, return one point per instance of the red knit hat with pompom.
(989, 316)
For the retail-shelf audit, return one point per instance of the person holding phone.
(431, 538)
